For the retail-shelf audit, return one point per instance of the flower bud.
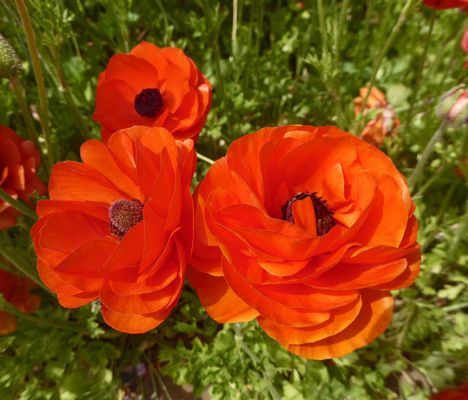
(454, 106)
(10, 65)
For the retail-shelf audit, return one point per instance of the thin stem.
(455, 307)
(364, 32)
(459, 235)
(234, 21)
(206, 159)
(15, 83)
(428, 183)
(22, 266)
(80, 121)
(417, 82)
(323, 32)
(443, 206)
(18, 205)
(338, 37)
(382, 54)
(217, 62)
(256, 361)
(426, 153)
(44, 110)
(158, 377)
(274, 393)
(166, 24)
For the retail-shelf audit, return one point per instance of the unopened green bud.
(10, 65)
(454, 106)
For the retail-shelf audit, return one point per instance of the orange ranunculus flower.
(445, 4)
(306, 229)
(459, 393)
(152, 87)
(15, 290)
(385, 124)
(119, 227)
(19, 161)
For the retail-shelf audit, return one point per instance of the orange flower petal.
(340, 319)
(220, 302)
(372, 321)
(133, 323)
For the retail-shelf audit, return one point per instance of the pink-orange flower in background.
(459, 393)
(306, 229)
(152, 87)
(19, 161)
(15, 290)
(464, 42)
(446, 4)
(119, 227)
(386, 123)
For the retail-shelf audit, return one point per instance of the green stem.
(81, 123)
(443, 206)
(455, 307)
(166, 24)
(396, 29)
(266, 374)
(428, 183)
(459, 235)
(44, 111)
(417, 82)
(426, 153)
(323, 32)
(364, 32)
(206, 159)
(338, 37)
(25, 111)
(27, 270)
(18, 205)
(158, 377)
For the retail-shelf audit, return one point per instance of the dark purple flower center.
(149, 102)
(124, 215)
(323, 215)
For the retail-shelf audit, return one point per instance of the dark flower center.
(124, 215)
(323, 215)
(149, 102)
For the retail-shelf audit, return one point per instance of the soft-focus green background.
(270, 63)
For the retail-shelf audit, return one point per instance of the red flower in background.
(119, 227)
(19, 161)
(459, 393)
(464, 42)
(15, 290)
(306, 229)
(445, 4)
(385, 123)
(152, 87)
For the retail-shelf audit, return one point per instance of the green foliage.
(273, 66)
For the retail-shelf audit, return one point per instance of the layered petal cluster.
(384, 124)
(19, 161)
(306, 229)
(119, 227)
(446, 4)
(15, 290)
(459, 393)
(152, 87)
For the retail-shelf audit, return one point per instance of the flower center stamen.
(149, 102)
(323, 215)
(124, 215)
